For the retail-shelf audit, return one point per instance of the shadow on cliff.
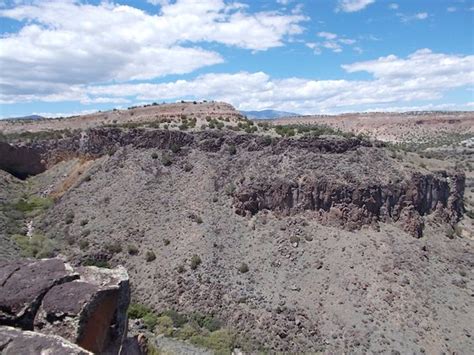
(21, 162)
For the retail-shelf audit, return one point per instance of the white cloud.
(353, 5)
(327, 35)
(393, 6)
(423, 75)
(64, 42)
(451, 9)
(418, 16)
(331, 41)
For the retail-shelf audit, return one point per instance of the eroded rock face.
(86, 306)
(20, 161)
(14, 341)
(355, 205)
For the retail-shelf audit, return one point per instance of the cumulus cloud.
(393, 6)
(353, 5)
(332, 42)
(423, 75)
(66, 42)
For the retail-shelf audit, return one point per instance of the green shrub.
(132, 250)
(33, 205)
(205, 321)
(150, 256)
(178, 319)
(84, 222)
(165, 325)
(166, 160)
(175, 148)
(137, 310)
(232, 149)
(84, 244)
(166, 241)
(154, 155)
(150, 320)
(114, 247)
(195, 261)
(187, 331)
(243, 268)
(36, 246)
(221, 341)
(69, 217)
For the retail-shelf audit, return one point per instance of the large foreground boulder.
(85, 305)
(14, 341)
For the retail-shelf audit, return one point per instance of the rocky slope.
(297, 244)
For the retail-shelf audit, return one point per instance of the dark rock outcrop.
(20, 161)
(355, 204)
(86, 305)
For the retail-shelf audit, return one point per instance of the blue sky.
(314, 56)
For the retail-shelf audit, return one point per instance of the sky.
(64, 57)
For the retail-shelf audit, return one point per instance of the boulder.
(84, 305)
(14, 341)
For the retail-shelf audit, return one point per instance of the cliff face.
(329, 189)
(20, 161)
(353, 205)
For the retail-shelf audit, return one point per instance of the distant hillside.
(30, 117)
(267, 114)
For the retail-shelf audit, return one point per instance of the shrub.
(150, 256)
(33, 205)
(187, 331)
(221, 341)
(36, 246)
(84, 222)
(154, 155)
(85, 232)
(294, 239)
(166, 241)
(195, 261)
(114, 247)
(150, 320)
(243, 268)
(180, 269)
(137, 310)
(188, 167)
(83, 244)
(232, 149)
(175, 148)
(69, 217)
(205, 321)
(165, 325)
(178, 319)
(132, 250)
(166, 160)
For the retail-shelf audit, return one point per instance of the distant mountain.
(267, 114)
(30, 117)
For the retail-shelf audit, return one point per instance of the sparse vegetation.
(195, 261)
(150, 256)
(114, 247)
(132, 249)
(166, 160)
(36, 246)
(243, 268)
